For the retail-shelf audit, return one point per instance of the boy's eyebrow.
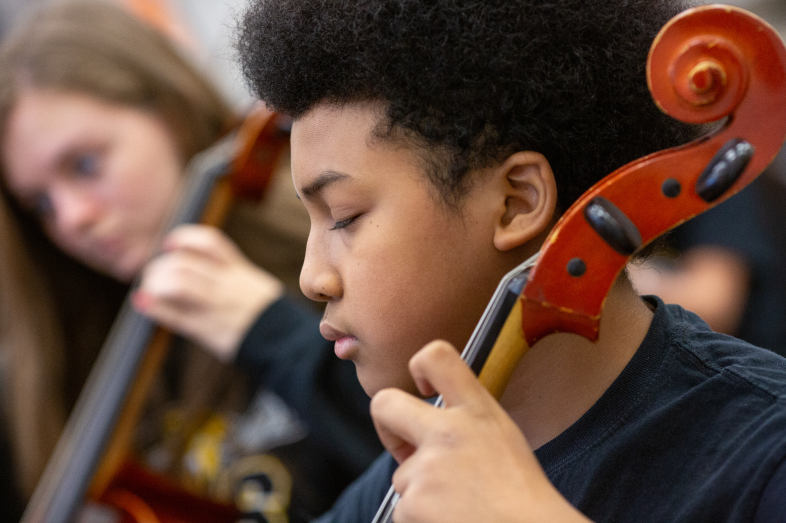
(320, 182)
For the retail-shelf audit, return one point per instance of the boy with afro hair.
(434, 145)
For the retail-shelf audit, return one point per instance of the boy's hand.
(466, 462)
(205, 289)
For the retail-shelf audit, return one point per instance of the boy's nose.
(318, 279)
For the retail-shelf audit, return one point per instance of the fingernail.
(141, 300)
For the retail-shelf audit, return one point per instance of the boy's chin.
(370, 385)
(374, 383)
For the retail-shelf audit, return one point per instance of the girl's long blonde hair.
(54, 312)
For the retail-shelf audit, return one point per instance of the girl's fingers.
(205, 240)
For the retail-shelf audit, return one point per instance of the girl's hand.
(205, 289)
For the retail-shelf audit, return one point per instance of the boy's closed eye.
(343, 224)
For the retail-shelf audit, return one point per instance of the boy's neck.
(563, 375)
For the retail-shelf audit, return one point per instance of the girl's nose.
(73, 211)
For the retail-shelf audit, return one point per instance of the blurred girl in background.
(99, 115)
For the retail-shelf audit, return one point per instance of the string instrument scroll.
(706, 64)
(88, 461)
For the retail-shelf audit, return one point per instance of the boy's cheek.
(386, 364)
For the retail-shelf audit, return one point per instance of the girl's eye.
(341, 224)
(86, 165)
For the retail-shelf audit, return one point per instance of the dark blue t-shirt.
(693, 430)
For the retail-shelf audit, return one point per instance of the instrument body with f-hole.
(708, 63)
(90, 460)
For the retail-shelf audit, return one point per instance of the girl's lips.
(104, 249)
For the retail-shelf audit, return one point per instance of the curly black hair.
(474, 79)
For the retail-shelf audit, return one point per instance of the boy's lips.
(344, 343)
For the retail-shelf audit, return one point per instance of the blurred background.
(202, 27)
(774, 11)
(207, 25)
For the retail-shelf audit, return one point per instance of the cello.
(90, 459)
(708, 64)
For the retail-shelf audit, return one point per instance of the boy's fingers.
(438, 368)
(401, 421)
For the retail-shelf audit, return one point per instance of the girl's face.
(100, 177)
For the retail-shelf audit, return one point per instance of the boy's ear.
(530, 199)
